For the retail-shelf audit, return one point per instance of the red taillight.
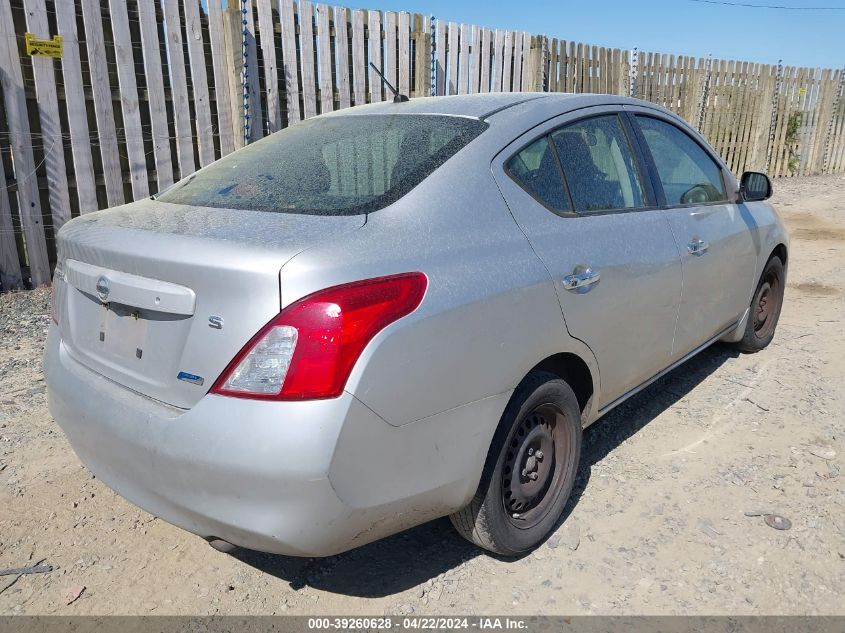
(308, 350)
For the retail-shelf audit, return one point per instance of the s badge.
(216, 322)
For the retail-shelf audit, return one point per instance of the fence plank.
(752, 107)
(780, 122)
(341, 28)
(484, 60)
(10, 267)
(763, 123)
(129, 100)
(289, 65)
(233, 40)
(324, 58)
(463, 60)
(29, 203)
(498, 61)
(404, 53)
(507, 60)
(306, 48)
(518, 54)
(817, 112)
(421, 35)
(199, 82)
(475, 61)
(550, 68)
(839, 160)
(101, 91)
(526, 63)
(735, 111)
(77, 113)
(159, 133)
(562, 66)
(266, 32)
(440, 60)
(725, 109)
(826, 99)
(222, 87)
(740, 120)
(374, 49)
(808, 119)
(48, 110)
(178, 88)
(359, 59)
(452, 70)
(390, 70)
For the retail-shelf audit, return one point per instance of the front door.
(713, 236)
(576, 189)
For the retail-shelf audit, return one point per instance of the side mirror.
(754, 186)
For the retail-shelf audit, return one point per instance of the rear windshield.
(343, 165)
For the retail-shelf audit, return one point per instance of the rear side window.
(686, 171)
(342, 165)
(536, 169)
(599, 165)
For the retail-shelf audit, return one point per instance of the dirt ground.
(658, 524)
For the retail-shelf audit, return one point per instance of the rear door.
(577, 190)
(713, 233)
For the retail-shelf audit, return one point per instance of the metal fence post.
(633, 70)
(245, 71)
(432, 60)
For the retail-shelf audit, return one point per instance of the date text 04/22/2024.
(417, 623)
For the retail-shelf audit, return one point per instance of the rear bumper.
(261, 475)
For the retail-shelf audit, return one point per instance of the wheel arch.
(578, 375)
(781, 251)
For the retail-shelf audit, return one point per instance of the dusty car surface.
(401, 311)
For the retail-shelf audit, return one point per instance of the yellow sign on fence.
(44, 48)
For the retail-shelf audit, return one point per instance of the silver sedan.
(401, 311)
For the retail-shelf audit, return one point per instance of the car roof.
(487, 105)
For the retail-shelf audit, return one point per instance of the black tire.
(512, 516)
(765, 308)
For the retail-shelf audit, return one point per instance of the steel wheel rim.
(530, 482)
(766, 306)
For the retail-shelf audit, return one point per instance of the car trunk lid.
(160, 297)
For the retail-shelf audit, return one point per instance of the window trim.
(645, 177)
(652, 166)
(507, 169)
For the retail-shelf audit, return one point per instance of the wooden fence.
(147, 91)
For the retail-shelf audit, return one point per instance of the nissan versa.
(401, 311)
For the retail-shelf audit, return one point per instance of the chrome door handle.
(697, 247)
(579, 280)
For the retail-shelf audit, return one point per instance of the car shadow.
(402, 561)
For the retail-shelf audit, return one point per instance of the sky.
(798, 37)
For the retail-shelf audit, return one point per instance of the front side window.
(535, 168)
(340, 165)
(686, 171)
(599, 165)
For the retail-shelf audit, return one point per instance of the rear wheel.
(530, 469)
(765, 308)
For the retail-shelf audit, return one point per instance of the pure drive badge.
(192, 378)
